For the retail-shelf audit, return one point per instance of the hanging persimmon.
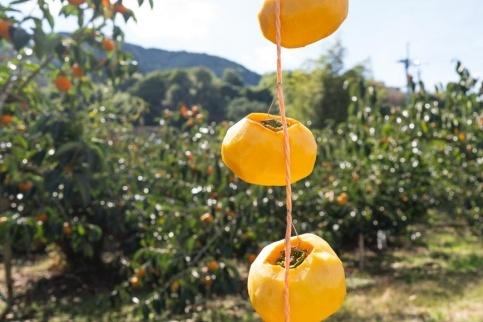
(303, 21)
(316, 280)
(253, 150)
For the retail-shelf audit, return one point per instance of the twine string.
(286, 150)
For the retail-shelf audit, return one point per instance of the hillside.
(150, 59)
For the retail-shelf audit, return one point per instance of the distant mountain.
(150, 59)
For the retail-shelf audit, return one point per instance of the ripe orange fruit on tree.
(77, 2)
(140, 272)
(5, 26)
(6, 119)
(210, 170)
(63, 83)
(185, 111)
(67, 229)
(108, 44)
(42, 217)
(174, 287)
(207, 281)
(251, 258)
(77, 71)
(303, 21)
(316, 281)
(207, 218)
(253, 150)
(25, 186)
(342, 199)
(120, 8)
(135, 281)
(213, 265)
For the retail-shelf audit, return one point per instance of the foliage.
(155, 205)
(198, 86)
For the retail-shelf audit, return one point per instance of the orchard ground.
(439, 280)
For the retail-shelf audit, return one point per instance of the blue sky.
(376, 32)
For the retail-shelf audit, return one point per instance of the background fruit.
(6, 119)
(5, 29)
(77, 2)
(108, 44)
(63, 83)
(77, 71)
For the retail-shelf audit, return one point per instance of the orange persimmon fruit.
(6, 119)
(63, 83)
(77, 2)
(316, 281)
(5, 26)
(67, 229)
(108, 44)
(213, 265)
(303, 21)
(25, 186)
(42, 217)
(206, 218)
(342, 199)
(120, 8)
(253, 150)
(77, 71)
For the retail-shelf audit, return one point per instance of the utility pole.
(407, 62)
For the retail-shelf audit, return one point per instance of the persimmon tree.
(49, 102)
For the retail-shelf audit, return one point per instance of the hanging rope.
(286, 150)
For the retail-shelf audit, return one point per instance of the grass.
(439, 280)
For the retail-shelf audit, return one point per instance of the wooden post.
(361, 251)
(7, 261)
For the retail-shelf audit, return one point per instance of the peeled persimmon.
(253, 150)
(303, 21)
(316, 280)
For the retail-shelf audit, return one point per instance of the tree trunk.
(7, 261)
(7, 257)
